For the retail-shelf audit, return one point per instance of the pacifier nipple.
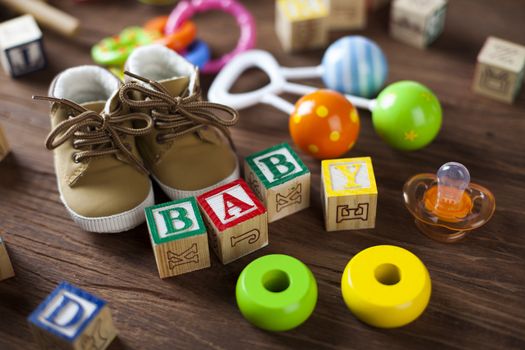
(448, 200)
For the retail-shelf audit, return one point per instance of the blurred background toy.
(46, 15)
(301, 25)
(21, 47)
(447, 206)
(347, 14)
(4, 145)
(500, 69)
(186, 9)
(417, 22)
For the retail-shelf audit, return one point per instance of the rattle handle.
(46, 15)
(302, 72)
(278, 102)
(359, 102)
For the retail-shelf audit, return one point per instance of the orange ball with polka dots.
(324, 124)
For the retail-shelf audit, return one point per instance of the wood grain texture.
(478, 297)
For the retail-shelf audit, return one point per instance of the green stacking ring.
(276, 292)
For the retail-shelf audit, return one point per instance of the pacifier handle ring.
(186, 9)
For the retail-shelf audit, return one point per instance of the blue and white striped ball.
(354, 65)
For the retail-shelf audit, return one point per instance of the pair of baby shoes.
(109, 138)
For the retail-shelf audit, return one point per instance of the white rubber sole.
(114, 223)
(175, 194)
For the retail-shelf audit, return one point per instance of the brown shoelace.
(96, 134)
(183, 114)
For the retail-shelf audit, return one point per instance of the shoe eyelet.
(74, 158)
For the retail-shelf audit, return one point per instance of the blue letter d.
(66, 302)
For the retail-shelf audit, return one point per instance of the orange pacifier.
(447, 205)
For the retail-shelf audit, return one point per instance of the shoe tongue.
(176, 86)
(96, 106)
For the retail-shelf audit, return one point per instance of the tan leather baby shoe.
(101, 178)
(190, 150)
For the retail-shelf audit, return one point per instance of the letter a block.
(280, 179)
(236, 220)
(6, 269)
(349, 193)
(178, 237)
(71, 318)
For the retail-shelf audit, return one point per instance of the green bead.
(407, 115)
(276, 292)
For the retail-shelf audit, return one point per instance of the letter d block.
(280, 179)
(348, 193)
(71, 318)
(178, 237)
(236, 220)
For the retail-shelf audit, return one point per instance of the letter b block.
(71, 318)
(236, 220)
(178, 237)
(280, 179)
(348, 194)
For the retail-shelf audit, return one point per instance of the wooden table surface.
(478, 296)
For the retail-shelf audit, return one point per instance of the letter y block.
(280, 179)
(236, 220)
(348, 193)
(178, 237)
(71, 318)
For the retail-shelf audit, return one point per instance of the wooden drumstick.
(46, 15)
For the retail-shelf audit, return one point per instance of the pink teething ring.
(186, 9)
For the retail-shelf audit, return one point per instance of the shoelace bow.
(102, 131)
(184, 114)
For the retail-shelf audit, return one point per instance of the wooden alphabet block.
(348, 193)
(347, 14)
(417, 22)
(21, 49)
(302, 24)
(4, 146)
(70, 318)
(178, 237)
(236, 220)
(280, 179)
(500, 69)
(374, 5)
(6, 269)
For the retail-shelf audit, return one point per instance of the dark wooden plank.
(478, 285)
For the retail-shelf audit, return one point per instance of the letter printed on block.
(236, 220)
(70, 318)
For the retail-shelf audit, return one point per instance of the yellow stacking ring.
(386, 286)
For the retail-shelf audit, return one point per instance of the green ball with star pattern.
(407, 115)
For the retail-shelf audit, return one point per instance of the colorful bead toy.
(406, 114)
(115, 50)
(186, 9)
(177, 40)
(352, 65)
(198, 53)
(446, 206)
(276, 292)
(386, 286)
